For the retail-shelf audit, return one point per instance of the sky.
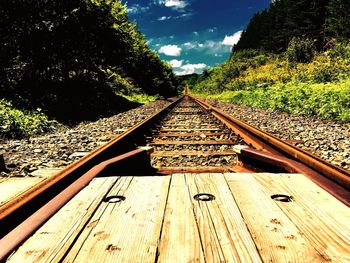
(193, 35)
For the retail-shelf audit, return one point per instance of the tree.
(273, 28)
(338, 19)
(57, 55)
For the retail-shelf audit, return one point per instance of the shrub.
(15, 123)
(300, 50)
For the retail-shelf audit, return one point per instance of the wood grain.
(323, 220)
(224, 235)
(54, 238)
(180, 240)
(127, 231)
(14, 186)
(275, 235)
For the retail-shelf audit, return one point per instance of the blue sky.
(193, 35)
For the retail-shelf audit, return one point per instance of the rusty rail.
(55, 191)
(267, 142)
(13, 239)
(24, 205)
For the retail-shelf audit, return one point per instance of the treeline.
(71, 57)
(317, 20)
(293, 57)
(189, 80)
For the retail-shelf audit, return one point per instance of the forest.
(70, 61)
(293, 57)
(320, 21)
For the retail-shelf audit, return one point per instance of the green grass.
(320, 87)
(140, 98)
(324, 100)
(15, 123)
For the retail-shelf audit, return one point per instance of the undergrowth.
(320, 87)
(15, 123)
(140, 97)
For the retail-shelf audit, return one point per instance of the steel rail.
(26, 203)
(19, 234)
(270, 143)
(269, 149)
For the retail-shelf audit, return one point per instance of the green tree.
(338, 19)
(59, 55)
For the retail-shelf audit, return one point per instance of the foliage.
(320, 87)
(294, 57)
(15, 123)
(329, 101)
(338, 19)
(61, 56)
(188, 80)
(141, 98)
(318, 20)
(300, 50)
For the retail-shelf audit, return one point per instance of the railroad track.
(187, 137)
(190, 138)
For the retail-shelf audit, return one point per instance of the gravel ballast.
(58, 149)
(326, 139)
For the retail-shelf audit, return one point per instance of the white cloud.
(189, 45)
(158, 2)
(182, 16)
(211, 30)
(176, 63)
(209, 47)
(185, 15)
(195, 33)
(232, 40)
(190, 69)
(137, 9)
(164, 18)
(170, 50)
(177, 4)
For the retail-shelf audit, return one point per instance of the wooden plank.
(3, 179)
(14, 186)
(190, 126)
(45, 172)
(127, 231)
(212, 142)
(193, 169)
(224, 235)
(275, 235)
(188, 129)
(191, 153)
(190, 134)
(323, 220)
(180, 241)
(54, 238)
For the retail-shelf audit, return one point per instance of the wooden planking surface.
(224, 234)
(160, 221)
(191, 153)
(180, 240)
(189, 129)
(14, 186)
(276, 236)
(187, 134)
(127, 231)
(323, 220)
(54, 238)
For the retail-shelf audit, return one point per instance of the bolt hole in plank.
(205, 197)
(114, 199)
(282, 198)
